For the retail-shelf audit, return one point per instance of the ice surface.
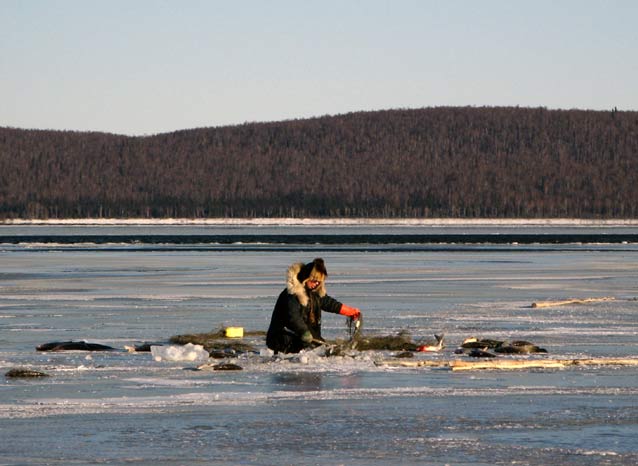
(127, 408)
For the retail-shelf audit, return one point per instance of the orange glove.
(350, 312)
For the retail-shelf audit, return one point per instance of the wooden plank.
(510, 364)
(571, 301)
(507, 364)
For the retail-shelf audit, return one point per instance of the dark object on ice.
(399, 342)
(480, 353)
(216, 340)
(221, 354)
(21, 372)
(142, 348)
(519, 347)
(514, 347)
(404, 354)
(227, 366)
(146, 347)
(484, 343)
(74, 346)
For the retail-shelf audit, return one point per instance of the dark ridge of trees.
(434, 162)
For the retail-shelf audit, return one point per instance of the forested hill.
(433, 162)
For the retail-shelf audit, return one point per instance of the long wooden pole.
(571, 301)
(510, 364)
(505, 364)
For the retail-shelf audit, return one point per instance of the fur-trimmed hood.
(299, 273)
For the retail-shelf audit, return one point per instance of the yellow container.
(234, 332)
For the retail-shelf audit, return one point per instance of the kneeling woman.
(296, 319)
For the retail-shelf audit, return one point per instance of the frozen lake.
(122, 408)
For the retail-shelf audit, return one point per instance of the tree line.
(463, 162)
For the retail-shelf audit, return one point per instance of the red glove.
(350, 312)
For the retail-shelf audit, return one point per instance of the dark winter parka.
(298, 309)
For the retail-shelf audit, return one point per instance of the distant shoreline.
(432, 222)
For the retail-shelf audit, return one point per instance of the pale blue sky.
(145, 67)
